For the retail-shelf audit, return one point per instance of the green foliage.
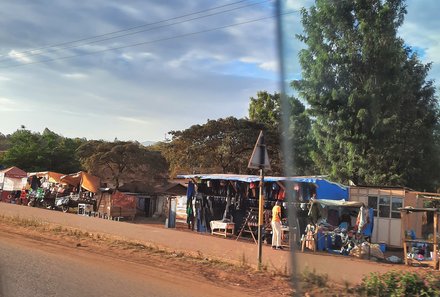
(266, 109)
(47, 151)
(374, 111)
(122, 162)
(399, 284)
(4, 142)
(223, 145)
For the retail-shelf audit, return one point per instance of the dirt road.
(33, 268)
(338, 268)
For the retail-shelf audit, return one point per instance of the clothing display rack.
(250, 224)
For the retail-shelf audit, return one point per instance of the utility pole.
(260, 160)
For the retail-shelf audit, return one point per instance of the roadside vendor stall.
(12, 181)
(225, 204)
(342, 227)
(115, 205)
(43, 188)
(420, 250)
(83, 187)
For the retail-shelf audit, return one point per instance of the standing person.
(276, 226)
(190, 215)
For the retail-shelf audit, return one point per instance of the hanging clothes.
(190, 191)
(361, 219)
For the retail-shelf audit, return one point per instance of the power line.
(131, 33)
(126, 30)
(150, 42)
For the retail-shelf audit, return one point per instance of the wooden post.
(434, 248)
(404, 214)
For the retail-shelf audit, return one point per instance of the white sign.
(260, 157)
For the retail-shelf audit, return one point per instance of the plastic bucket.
(383, 247)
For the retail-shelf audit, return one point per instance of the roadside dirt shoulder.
(71, 242)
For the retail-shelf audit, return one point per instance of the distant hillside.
(147, 143)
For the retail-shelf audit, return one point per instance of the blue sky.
(141, 93)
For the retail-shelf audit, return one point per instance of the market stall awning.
(13, 172)
(53, 177)
(324, 189)
(87, 181)
(338, 203)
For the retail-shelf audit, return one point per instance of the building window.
(385, 206)
(372, 203)
(396, 203)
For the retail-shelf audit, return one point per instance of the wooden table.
(222, 228)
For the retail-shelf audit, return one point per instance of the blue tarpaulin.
(324, 189)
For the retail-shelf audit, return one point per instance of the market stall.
(43, 188)
(420, 250)
(342, 227)
(82, 188)
(12, 181)
(115, 205)
(225, 204)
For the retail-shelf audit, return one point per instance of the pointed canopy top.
(14, 172)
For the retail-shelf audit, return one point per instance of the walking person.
(276, 226)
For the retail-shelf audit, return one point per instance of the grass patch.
(314, 278)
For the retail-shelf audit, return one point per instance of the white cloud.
(196, 56)
(133, 120)
(269, 65)
(146, 55)
(127, 57)
(9, 105)
(76, 75)
(19, 56)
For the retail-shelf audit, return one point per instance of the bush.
(399, 284)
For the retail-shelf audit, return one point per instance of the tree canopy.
(266, 109)
(223, 145)
(119, 162)
(374, 109)
(32, 151)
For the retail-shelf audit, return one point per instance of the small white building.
(386, 202)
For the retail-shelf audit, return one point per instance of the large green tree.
(223, 145)
(48, 151)
(4, 142)
(119, 162)
(374, 109)
(265, 108)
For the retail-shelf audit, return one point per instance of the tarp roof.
(339, 203)
(324, 189)
(53, 177)
(87, 181)
(409, 209)
(14, 172)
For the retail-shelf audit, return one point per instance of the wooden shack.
(386, 202)
(116, 205)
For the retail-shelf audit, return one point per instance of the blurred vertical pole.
(287, 147)
(260, 218)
